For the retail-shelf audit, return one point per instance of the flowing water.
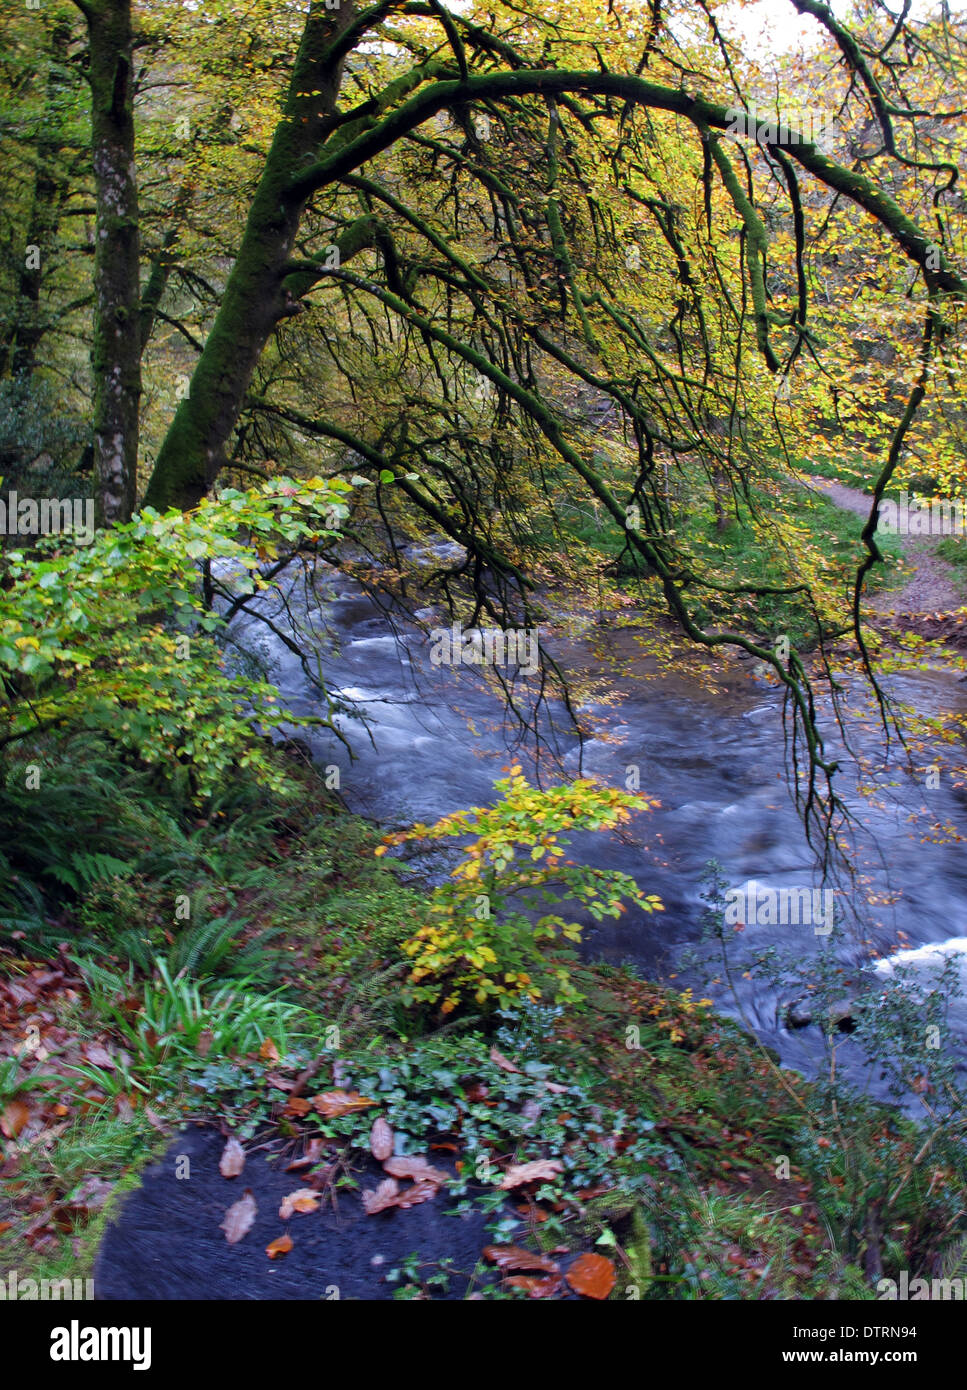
(430, 739)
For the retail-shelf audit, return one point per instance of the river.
(428, 739)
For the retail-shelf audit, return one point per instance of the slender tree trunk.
(116, 351)
(19, 348)
(255, 299)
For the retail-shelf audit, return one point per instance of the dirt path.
(932, 585)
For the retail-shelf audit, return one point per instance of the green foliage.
(179, 1022)
(953, 549)
(98, 850)
(205, 949)
(478, 943)
(548, 1109)
(34, 425)
(878, 1178)
(115, 636)
(76, 802)
(16, 1080)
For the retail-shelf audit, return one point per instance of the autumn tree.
(468, 233)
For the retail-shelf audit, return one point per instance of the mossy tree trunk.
(255, 297)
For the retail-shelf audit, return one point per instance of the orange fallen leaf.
(232, 1160)
(380, 1139)
(13, 1119)
(332, 1104)
(280, 1246)
(520, 1173)
(239, 1217)
(591, 1275)
(305, 1200)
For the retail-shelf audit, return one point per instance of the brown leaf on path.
(280, 1246)
(536, 1287)
(520, 1173)
(380, 1139)
(332, 1104)
(304, 1200)
(232, 1160)
(501, 1061)
(15, 1115)
(380, 1197)
(416, 1167)
(516, 1257)
(419, 1192)
(388, 1194)
(239, 1217)
(591, 1275)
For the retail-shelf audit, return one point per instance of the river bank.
(689, 1160)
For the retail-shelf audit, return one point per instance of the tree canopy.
(502, 261)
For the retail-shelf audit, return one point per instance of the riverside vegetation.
(300, 293)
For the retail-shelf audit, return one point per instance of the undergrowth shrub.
(487, 936)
